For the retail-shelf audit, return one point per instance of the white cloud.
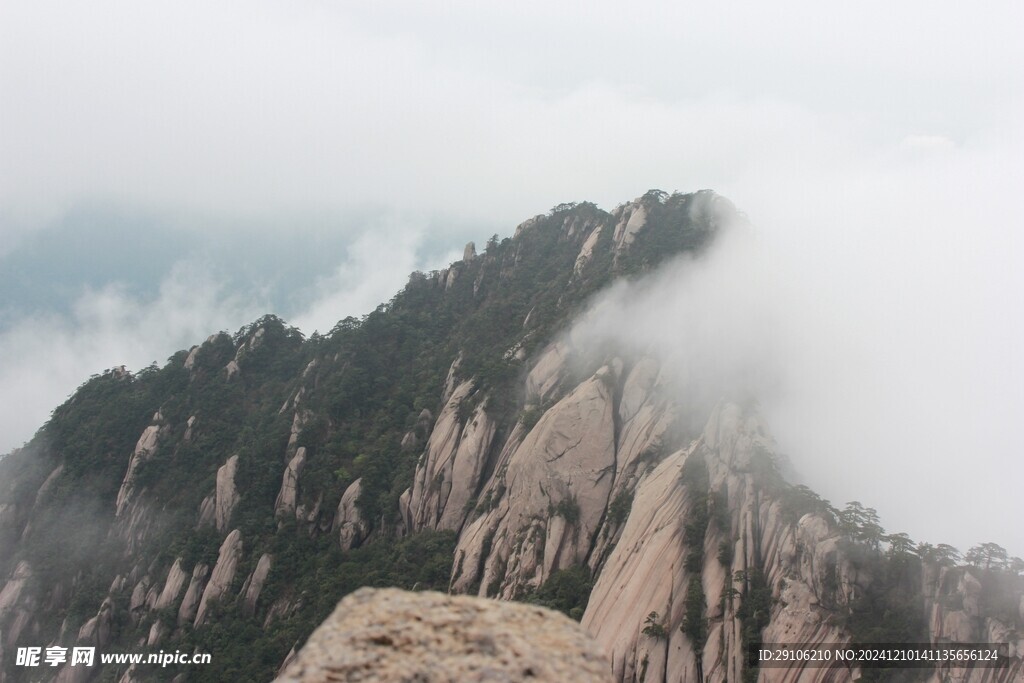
(927, 142)
(44, 358)
(877, 317)
(376, 267)
(876, 146)
(478, 111)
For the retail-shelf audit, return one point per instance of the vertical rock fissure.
(450, 465)
(489, 467)
(756, 523)
(616, 397)
(669, 613)
(754, 578)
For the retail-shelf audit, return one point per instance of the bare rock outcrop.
(452, 466)
(630, 219)
(645, 418)
(157, 632)
(348, 521)
(547, 373)
(648, 570)
(309, 513)
(597, 478)
(451, 379)
(135, 524)
(393, 635)
(284, 506)
(145, 448)
(952, 596)
(17, 604)
(226, 496)
(414, 439)
(172, 587)
(96, 631)
(253, 585)
(299, 420)
(587, 251)
(48, 484)
(223, 574)
(190, 603)
(545, 504)
(137, 602)
(190, 360)
(207, 510)
(12, 591)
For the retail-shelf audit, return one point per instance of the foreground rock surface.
(394, 635)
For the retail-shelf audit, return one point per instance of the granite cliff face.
(612, 438)
(462, 437)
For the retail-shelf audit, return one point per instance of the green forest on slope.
(371, 379)
(361, 389)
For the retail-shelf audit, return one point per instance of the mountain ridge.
(454, 438)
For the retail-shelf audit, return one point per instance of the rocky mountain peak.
(458, 438)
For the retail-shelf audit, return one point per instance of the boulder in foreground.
(394, 635)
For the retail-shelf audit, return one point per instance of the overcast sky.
(168, 170)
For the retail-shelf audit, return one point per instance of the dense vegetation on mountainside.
(354, 400)
(369, 382)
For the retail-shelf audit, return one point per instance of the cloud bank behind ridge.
(878, 325)
(876, 148)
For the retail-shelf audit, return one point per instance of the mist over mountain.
(89, 293)
(880, 161)
(249, 363)
(567, 416)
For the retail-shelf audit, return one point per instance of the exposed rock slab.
(630, 219)
(284, 506)
(646, 571)
(586, 251)
(452, 466)
(254, 584)
(348, 521)
(227, 495)
(13, 589)
(441, 448)
(172, 587)
(393, 635)
(223, 574)
(145, 448)
(138, 599)
(207, 511)
(156, 633)
(44, 490)
(189, 604)
(96, 631)
(545, 504)
(547, 373)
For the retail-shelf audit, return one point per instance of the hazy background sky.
(168, 170)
